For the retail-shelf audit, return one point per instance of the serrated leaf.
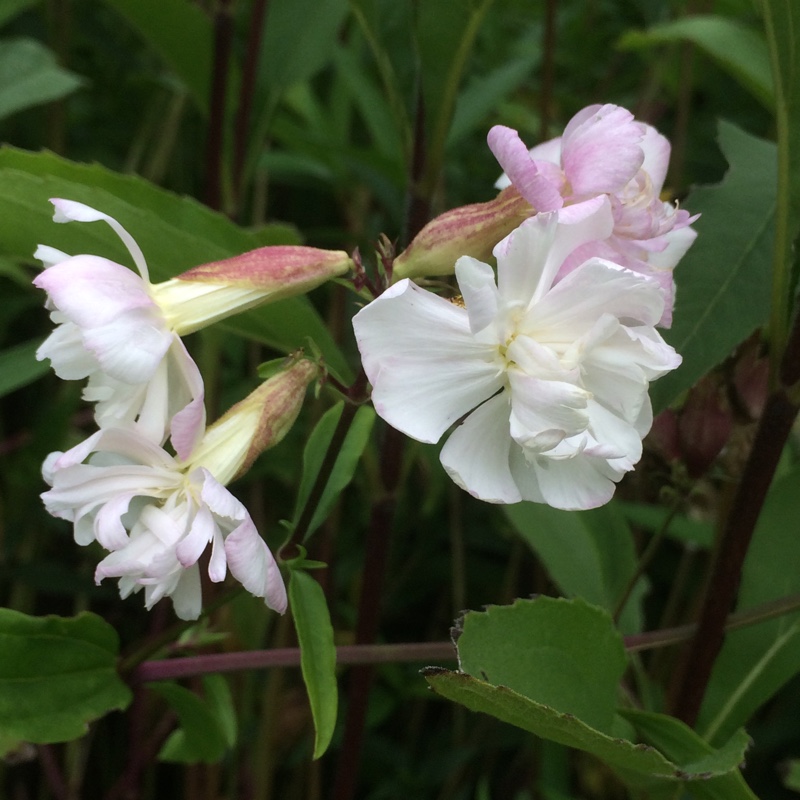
(207, 729)
(564, 654)
(175, 233)
(738, 49)
(57, 674)
(711, 774)
(181, 34)
(30, 76)
(317, 654)
(755, 662)
(512, 707)
(724, 280)
(588, 554)
(19, 367)
(344, 467)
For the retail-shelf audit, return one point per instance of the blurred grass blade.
(19, 367)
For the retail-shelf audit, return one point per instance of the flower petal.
(477, 284)
(477, 452)
(601, 150)
(72, 211)
(252, 564)
(513, 157)
(425, 367)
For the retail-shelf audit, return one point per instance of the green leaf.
(588, 554)
(19, 367)
(512, 707)
(549, 650)
(56, 675)
(757, 661)
(782, 27)
(738, 49)
(317, 654)
(207, 724)
(716, 775)
(724, 280)
(181, 34)
(445, 34)
(175, 233)
(699, 533)
(552, 667)
(292, 53)
(11, 8)
(792, 779)
(344, 467)
(30, 76)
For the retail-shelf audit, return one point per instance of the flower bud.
(210, 292)
(255, 424)
(469, 230)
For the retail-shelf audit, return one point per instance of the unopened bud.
(210, 292)
(255, 424)
(466, 231)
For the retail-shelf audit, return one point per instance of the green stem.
(646, 557)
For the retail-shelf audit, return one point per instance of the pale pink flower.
(605, 151)
(110, 330)
(551, 378)
(157, 514)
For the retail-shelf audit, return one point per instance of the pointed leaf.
(19, 367)
(30, 76)
(317, 654)
(757, 661)
(738, 49)
(588, 554)
(724, 280)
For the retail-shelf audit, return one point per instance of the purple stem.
(247, 92)
(223, 45)
(170, 668)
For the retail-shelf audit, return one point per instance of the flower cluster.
(155, 512)
(546, 368)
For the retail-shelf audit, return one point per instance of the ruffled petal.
(477, 452)
(513, 157)
(656, 149)
(425, 367)
(252, 564)
(70, 360)
(601, 150)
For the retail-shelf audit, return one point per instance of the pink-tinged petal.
(218, 498)
(108, 527)
(602, 152)
(217, 564)
(656, 149)
(517, 164)
(188, 394)
(477, 284)
(131, 347)
(549, 151)
(252, 564)
(93, 291)
(595, 288)
(201, 532)
(425, 367)
(678, 241)
(187, 598)
(72, 211)
(476, 454)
